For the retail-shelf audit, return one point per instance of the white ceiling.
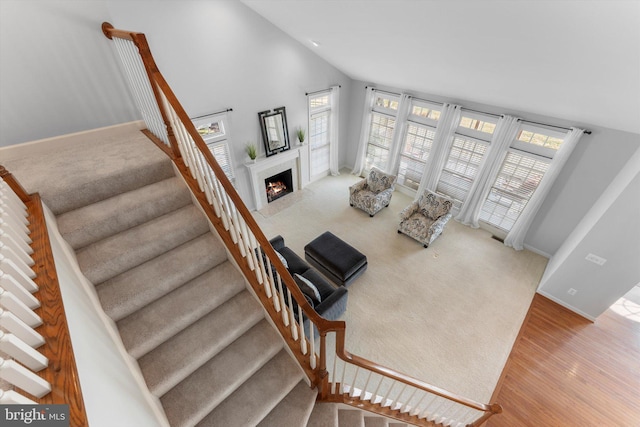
(576, 60)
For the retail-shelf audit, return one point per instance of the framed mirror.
(274, 130)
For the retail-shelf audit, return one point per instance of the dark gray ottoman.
(336, 259)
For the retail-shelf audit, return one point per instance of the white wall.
(57, 73)
(221, 54)
(610, 230)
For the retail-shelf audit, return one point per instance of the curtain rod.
(383, 91)
(588, 132)
(319, 91)
(482, 112)
(212, 114)
(426, 100)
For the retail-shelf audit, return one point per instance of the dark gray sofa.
(333, 299)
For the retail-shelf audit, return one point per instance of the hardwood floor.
(566, 371)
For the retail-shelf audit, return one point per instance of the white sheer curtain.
(398, 132)
(516, 236)
(442, 141)
(334, 136)
(505, 132)
(361, 155)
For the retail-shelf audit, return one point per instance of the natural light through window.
(629, 305)
(479, 125)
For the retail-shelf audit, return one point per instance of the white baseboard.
(537, 251)
(65, 141)
(567, 306)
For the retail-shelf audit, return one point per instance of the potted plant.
(252, 151)
(300, 132)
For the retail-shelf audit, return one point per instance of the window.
(470, 143)
(381, 130)
(522, 170)
(319, 133)
(215, 132)
(417, 143)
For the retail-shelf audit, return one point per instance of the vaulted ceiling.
(575, 60)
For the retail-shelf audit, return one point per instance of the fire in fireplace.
(278, 185)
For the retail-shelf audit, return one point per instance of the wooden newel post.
(14, 184)
(495, 409)
(323, 375)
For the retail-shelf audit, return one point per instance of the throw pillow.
(308, 288)
(283, 259)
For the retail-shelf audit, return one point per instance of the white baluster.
(455, 415)
(334, 374)
(312, 340)
(375, 394)
(14, 222)
(10, 397)
(396, 401)
(17, 327)
(12, 198)
(416, 409)
(21, 215)
(22, 240)
(23, 353)
(9, 284)
(424, 412)
(9, 302)
(23, 378)
(294, 330)
(303, 337)
(353, 382)
(9, 267)
(285, 316)
(9, 242)
(406, 405)
(366, 384)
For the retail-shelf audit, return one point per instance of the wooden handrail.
(319, 375)
(406, 379)
(62, 371)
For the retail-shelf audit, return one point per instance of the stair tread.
(174, 360)
(116, 254)
(124, 294)
(350, 418)
(294, 409)
(89, 224)
(202, 391)
(324, 415)
(264, 390)
(95, 169)
(158, 321)
(373, 421)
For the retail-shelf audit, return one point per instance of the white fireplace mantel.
(296, 159)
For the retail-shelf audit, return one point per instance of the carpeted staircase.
(182, 308)
(333, 415)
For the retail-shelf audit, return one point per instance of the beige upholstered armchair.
(372, 193)
(425, 218)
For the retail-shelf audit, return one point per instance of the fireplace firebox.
(279, 185)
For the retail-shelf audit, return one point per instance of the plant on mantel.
(252, 151)
(300, 132)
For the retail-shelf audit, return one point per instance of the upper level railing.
(36, 359)
(351, 379)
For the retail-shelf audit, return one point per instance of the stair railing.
(171, 129)
(37, 362)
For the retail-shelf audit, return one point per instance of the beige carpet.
(447, 315)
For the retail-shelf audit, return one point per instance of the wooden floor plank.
(567, 371)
